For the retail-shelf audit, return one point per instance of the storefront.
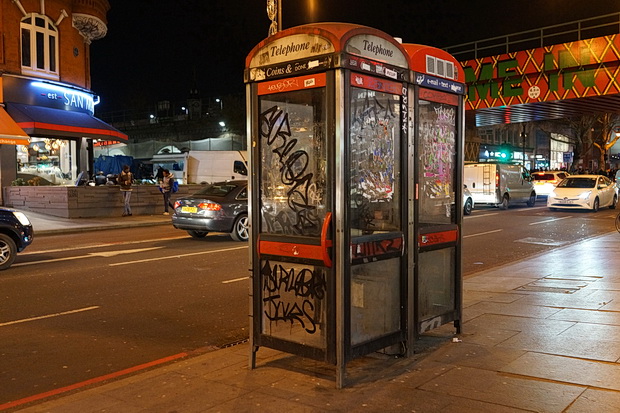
(53, 129)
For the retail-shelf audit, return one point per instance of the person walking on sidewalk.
(125, 180)
(165, 186)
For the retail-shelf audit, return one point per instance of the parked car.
(219, 207)
(468, 201)
(584, 192)
(16, 234)
(546, 181)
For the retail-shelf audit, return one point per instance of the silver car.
(219, 207)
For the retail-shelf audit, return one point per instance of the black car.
(219, 207)
(15, 234)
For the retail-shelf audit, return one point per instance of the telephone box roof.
(418, 60)
(336, 38)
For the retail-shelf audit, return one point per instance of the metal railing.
(605, 25)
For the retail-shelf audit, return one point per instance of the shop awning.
(57, 123)
(10, 132)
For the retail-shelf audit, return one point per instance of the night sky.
(155, 49)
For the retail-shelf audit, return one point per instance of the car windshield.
(578, 183)
(218, 189)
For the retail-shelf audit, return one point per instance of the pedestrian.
(125, 180)
(165, 186)
(159, 174)
(100, 178)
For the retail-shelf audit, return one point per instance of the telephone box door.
(293, 209)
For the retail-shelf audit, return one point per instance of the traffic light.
(505, 152)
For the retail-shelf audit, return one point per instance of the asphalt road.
(77, 307)
(80, 306)
(492, 237)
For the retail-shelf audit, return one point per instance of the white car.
(468, 201)
(546, 181)
(584, 192)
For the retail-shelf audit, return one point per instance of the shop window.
(39, 46)
(47, 161)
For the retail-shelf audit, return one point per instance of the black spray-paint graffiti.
(370, 251)
(293, 295)
(372, 113)
(301, 191)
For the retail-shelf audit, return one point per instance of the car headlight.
(585, 195)
(21, 217)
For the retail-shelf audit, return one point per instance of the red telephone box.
(335, 195)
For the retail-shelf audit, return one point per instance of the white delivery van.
(215, 166)
(499, 184)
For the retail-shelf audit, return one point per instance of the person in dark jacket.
(125, 180)
(165, 186)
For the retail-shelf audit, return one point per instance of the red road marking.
(91, 381)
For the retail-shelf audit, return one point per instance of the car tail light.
(210, 206)
(176, 205)
(496, 179)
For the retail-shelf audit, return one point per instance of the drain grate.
(234, 343)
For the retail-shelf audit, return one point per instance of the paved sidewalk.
(540, 335)
(48, 224)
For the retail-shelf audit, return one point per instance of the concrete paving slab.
(585, 348)
(567, 370)
(587, 316)
(605, 285)
(591, 300)
(474, 296)
(474, 355)
(497, 284)
(593, 331)
(596, 401)
(541, 326)
(259, 402)
(485, 335)
(505, 390)
(514, 309)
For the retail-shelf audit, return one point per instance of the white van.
(499, 184)
(215, 166)
(204, 167)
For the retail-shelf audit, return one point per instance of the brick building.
(47, 124)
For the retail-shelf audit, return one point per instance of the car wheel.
(532, 201)
(8, 251)
(197, 234)
(595, 205)
(614, 202)
(505, 201)
(467, 207)
(241, 229)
